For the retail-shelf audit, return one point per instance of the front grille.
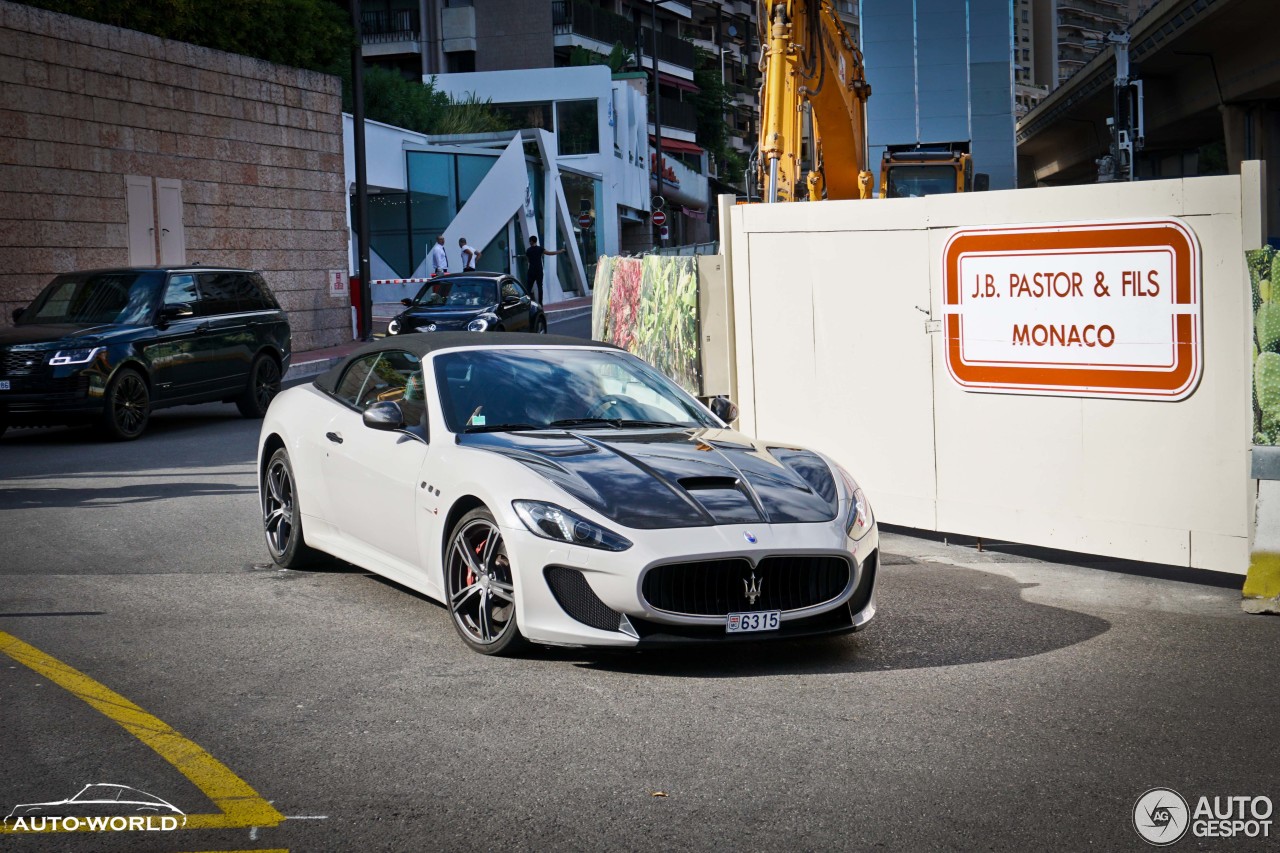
(718, 587)
(575, 595)
(20, 363)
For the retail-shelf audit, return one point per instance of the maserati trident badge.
(750, 537)
(752, 589)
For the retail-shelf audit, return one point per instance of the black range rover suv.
(109, 346)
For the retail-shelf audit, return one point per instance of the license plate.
(765, 620)
(4, 384)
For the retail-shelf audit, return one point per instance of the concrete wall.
(514, 34)
(838, 346)
(256, 147)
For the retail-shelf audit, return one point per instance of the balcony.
(383, 27)
(1099, 10)
(576, 18)
(670, 49)
(677, 114)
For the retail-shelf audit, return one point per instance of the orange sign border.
(1174, 383)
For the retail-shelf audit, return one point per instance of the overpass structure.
(1211, 74)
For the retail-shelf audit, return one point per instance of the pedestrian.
(439, 257)
(534, 254)
(469, 255)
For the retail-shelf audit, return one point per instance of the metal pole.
(361, 212)
(657, 98)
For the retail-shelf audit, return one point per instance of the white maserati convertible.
(561, 492)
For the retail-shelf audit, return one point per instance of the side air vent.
(575, 595)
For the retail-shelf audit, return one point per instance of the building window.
(578, 127)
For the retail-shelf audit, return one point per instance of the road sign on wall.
(658, 217)
(1099, 309)
(584, 221)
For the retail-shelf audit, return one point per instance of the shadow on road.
(929, 616)
(91, 498)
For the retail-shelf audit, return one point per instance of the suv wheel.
(127, 406)
(264, 385)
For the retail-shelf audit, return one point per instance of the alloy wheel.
(480, 588)
(266, 383)
(277, 507)
(130, 404)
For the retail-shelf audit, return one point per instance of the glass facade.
(942, 71)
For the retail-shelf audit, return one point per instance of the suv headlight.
(552, 522)
(479, 324)
(860, 519)
(393, 328)
(75, 356)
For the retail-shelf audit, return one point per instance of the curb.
(305, 369)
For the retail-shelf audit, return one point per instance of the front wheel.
(479, 586)
(281, 518)
(540, 326)
(264, 385)
(126, 406)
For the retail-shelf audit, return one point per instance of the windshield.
(558, 388)
(458, 293)
(914, 181)
(125, 298)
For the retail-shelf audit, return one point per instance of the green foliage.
(312, 34)
(712, 102)
(391, 99)
(471, 114)
(1264, 268)
(618, 58)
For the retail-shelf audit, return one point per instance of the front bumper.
(611, 609)
(52, 397)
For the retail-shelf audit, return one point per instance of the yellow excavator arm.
(810, 63)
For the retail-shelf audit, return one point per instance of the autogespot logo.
(1161, 816)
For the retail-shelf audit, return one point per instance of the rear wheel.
(127, 406)
(479, 585)
(264, 385)
(281, 518)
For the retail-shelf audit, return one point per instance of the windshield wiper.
(500, 427)
(615, 423)
(641, 423)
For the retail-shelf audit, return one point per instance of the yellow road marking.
(241, 805)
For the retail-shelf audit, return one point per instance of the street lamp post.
(657, 97)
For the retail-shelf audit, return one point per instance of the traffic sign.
(664, 232)
(584, 221)
(658, 217)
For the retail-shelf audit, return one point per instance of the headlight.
(860, 519)
(430, 327)
(75, 356)
(393, 328)
(479, 324)
(551, 522)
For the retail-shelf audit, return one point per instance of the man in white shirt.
(469, 255)
(439, 258)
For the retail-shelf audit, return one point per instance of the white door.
(141, 212)
(173, 239)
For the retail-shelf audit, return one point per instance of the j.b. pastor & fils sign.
(1098, 309)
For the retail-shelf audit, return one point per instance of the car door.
(229, 340)
(371, 476)
(178, 364)
(513, 305)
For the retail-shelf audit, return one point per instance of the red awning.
(678, 82)
(677, 145)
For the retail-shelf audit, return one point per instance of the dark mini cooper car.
(472, 302)
(109, 346)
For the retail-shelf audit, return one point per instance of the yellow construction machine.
(811, 67)
(910, 171)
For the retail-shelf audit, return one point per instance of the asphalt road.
(998, 701)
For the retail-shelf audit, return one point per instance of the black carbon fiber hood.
(653, 479)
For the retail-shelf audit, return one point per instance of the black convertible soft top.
(425, 343)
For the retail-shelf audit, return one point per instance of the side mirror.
(407, 303)
(724, 409)
(385, 416)
(18, 312)
(176, 311)
(981, 182)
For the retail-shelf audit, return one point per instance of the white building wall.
(623, 173)
(837, 348)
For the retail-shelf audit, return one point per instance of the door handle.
(334, 437)
(202, 328)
